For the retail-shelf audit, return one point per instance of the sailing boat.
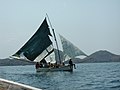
(39, 47)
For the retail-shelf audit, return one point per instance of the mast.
(54, 38)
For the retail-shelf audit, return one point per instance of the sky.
(91, 25)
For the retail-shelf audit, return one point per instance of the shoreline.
(15, 62)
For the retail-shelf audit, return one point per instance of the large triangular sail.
(37, 44)
(69, 49)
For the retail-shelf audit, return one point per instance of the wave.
(115, 87)
(115, 81)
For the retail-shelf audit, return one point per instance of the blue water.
(87, 76)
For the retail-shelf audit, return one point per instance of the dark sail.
(37, 43)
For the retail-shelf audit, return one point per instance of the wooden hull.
(52, 69)
(10, 85)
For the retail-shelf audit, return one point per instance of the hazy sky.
(91, 25)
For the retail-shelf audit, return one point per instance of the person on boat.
(71, 64)
(56, 65)
(63, 64)
(41, 65)
(43, 61)
(49, 64)
(37, 65)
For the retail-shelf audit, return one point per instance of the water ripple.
(91, 76)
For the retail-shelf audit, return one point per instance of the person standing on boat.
(37, 65)
(71, 64)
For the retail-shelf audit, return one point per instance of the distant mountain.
(14, 62)
(75, 60)
(102, 56)
(97, 57)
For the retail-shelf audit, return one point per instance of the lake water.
(87, 76)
